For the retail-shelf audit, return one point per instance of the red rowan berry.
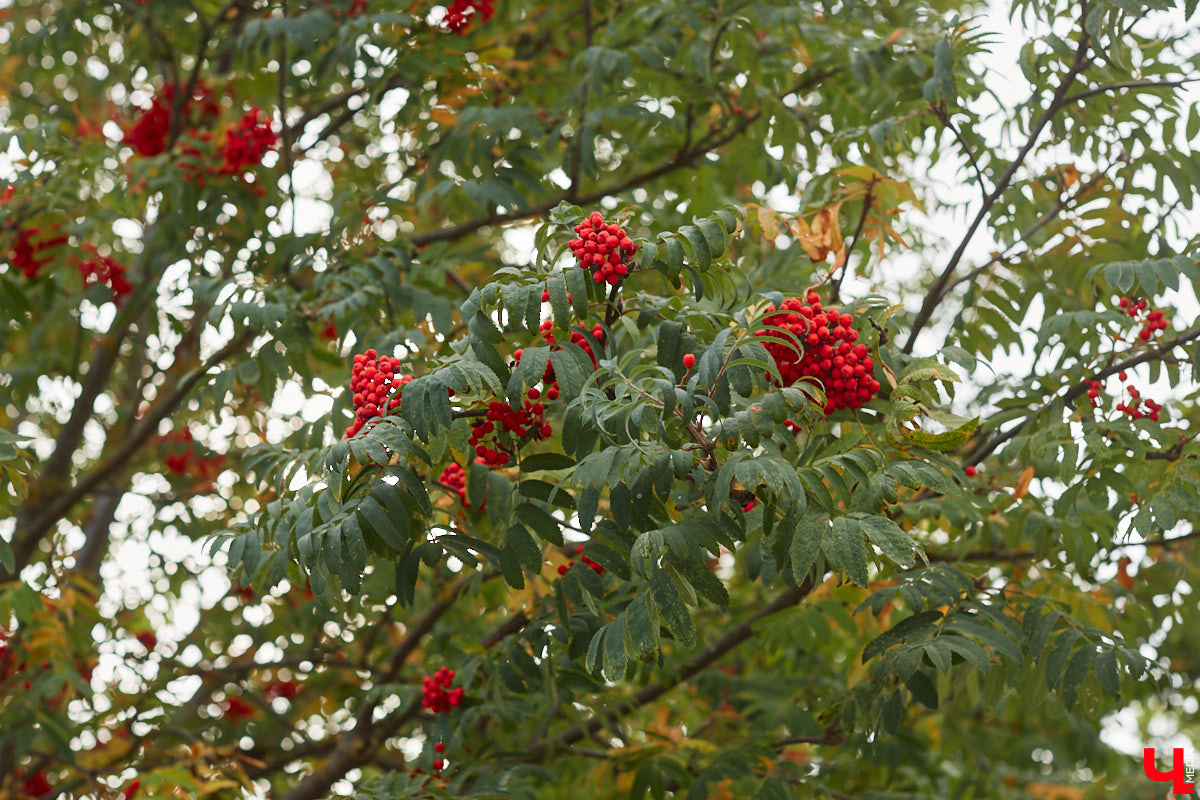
(830, 355)
(605, 249)
(970, 471)
(689, 361)
(375, 385)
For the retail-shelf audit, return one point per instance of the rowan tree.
(596, 399)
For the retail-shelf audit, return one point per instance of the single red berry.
(689, 361)
(440, 747)
(970, 470)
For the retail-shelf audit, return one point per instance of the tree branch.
(27, 536)
(940, 112)
(984, 450)
(694, 665)
(836, 286)
(355, 747)
(706, 145)
(1042, 222)
(935, 293)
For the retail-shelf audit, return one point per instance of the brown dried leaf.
(1022, 487)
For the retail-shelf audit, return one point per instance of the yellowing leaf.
(444, 116)
(823, 236)
(1022, 487)
(1123, 576)
(769, 221)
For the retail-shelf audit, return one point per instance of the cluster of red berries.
(27, 255)
(562, 568)
(577, 338)
(148, 134)
(603, 248)
(36, 784)
(26, 251)
(503, 420)
(181, 457)
(235, 709)
(7, 657)
(1153, 321)
(462, 13)
(279, 688)
(375, 384)
(455, 477)
(247, 143)
(104, 270)
(1140, 406)
(436, 694)
(829, 352)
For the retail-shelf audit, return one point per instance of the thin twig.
(836, 286)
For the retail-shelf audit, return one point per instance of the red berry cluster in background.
(562, 568)
(26, 250)
(375, 384)
(235, 709)
(436, 694)
(1153, 321)
(247, 143)
(829, 352)
(455, 477)
(148, 134)
(147, 639)
(603, 248)
(182, 459)
(462, 13)
(36, 785)
(7, 657)
(504, 424)
(1139, 406)
(104, 270)
(279, 688)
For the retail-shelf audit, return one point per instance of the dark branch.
(936, 292)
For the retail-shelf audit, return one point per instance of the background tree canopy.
(596, 399)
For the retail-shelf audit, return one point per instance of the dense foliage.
(598, 399)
